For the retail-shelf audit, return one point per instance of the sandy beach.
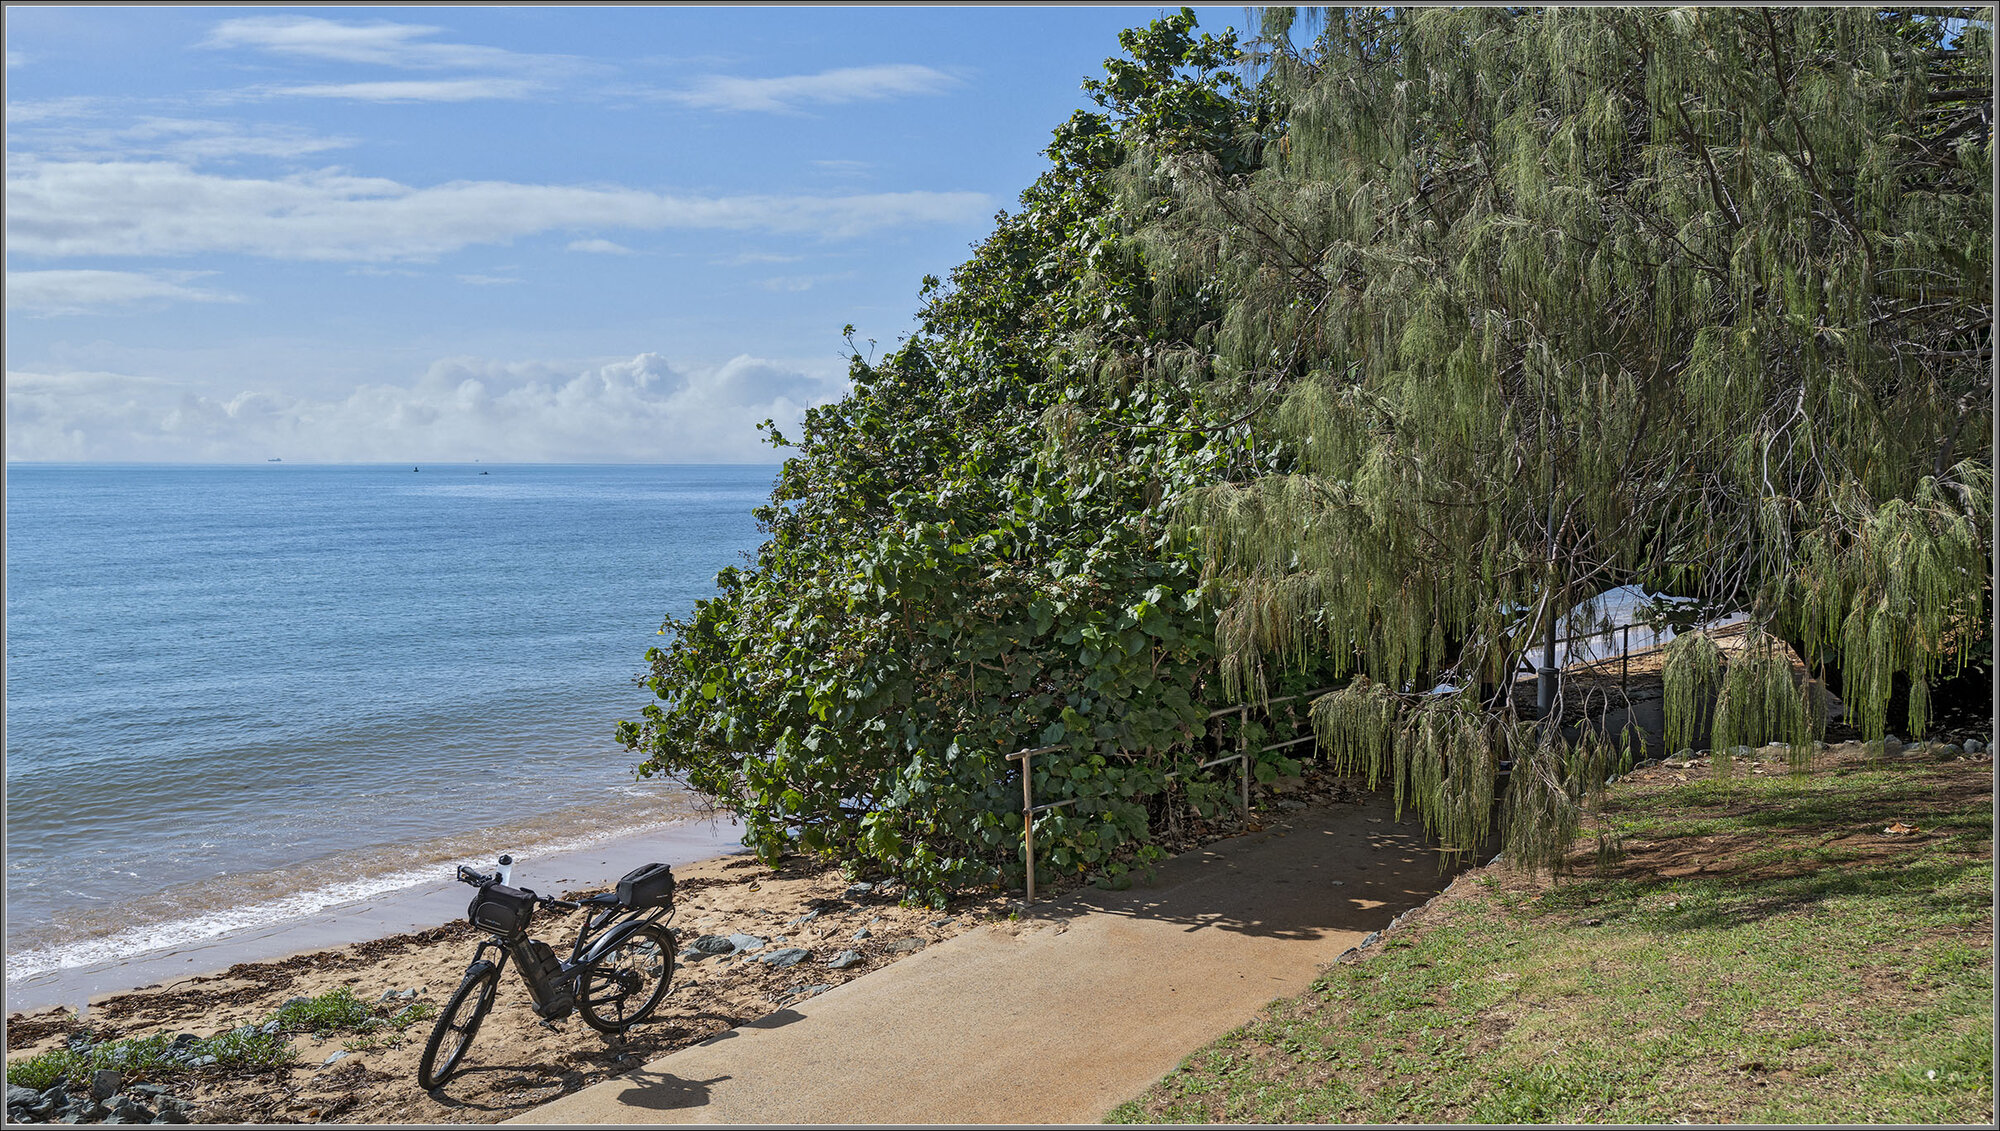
(415, 908)
(516, 1063)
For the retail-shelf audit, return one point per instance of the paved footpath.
(1057, 1018)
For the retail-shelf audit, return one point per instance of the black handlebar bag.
(503, 910)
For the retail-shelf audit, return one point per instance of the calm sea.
(236, 695)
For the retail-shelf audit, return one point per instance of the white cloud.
(68, 208)
(788, 92)
(71, 106)
(441, 90)
(743, 259)
(382, 44)
(640, 410)
(795, 283)
(408, 47)
(488, 280)
(600, 247)
(49, 293)
(16, 58)
(189, 140)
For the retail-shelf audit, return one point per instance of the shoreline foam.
(337, 914)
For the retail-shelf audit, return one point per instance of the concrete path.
(1058, 1018)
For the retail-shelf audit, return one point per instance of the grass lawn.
(1764, 953)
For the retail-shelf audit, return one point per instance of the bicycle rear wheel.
(458, 1024)
(626, 983)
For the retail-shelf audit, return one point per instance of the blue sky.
(511, 233)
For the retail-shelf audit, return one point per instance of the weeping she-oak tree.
(1545, 301)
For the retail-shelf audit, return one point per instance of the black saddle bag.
(651, 885)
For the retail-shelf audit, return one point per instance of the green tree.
(969, 553)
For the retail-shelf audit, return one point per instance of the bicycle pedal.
(550, 1026)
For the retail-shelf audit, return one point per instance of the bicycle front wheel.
(458, 1024)
(626, 983)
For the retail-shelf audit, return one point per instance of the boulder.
(844, 959)
(905, 946)
(105, 1082)
(81, 1109)
(790, 956)
(740, 943)
(125, 1109)
(858, 891)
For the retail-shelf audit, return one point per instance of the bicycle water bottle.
(507, 870)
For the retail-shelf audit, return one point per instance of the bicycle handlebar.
(481, 879)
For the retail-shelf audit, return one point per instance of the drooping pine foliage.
(1553, 300)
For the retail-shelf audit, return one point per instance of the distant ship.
(274, 459)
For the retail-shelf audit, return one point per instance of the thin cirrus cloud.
(788, 93)
(158, 208)
(63, 292)
(600, 247)
(411, 90)
(379, 44)
(643, 409)
(190, 140)
(406, 47)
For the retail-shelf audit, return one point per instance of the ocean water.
(241, 694)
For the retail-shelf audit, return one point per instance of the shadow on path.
(1344, 869)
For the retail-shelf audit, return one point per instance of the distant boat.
(485, 473)
(416, 469)
(274, 459)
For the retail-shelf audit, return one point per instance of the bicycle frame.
(602, 930)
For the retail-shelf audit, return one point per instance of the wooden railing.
(1244, 754)
(1242, 757)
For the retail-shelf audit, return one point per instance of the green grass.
(247, 1048)
(328, 1013)
(1812, 971)
(151, 1058)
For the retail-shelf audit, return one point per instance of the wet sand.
(410, 909)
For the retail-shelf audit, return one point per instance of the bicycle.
(618, 969)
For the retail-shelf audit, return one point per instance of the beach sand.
(516, 1063)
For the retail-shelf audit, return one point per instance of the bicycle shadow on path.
(653, 1089)
(650, 1089)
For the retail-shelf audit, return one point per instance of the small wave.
(268, 912)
